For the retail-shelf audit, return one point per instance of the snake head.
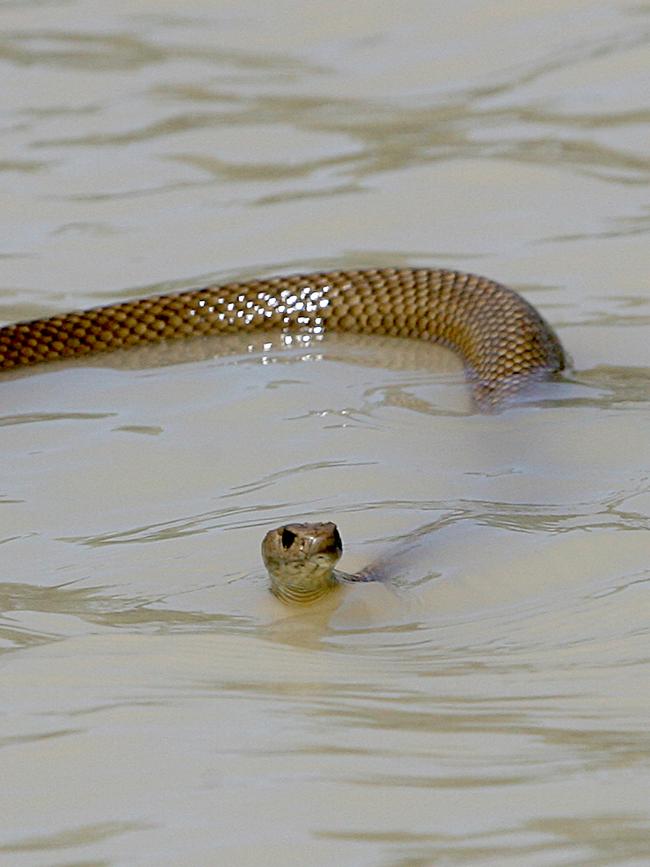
(300, 560)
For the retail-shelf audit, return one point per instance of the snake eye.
(287, 538)
(337, 539)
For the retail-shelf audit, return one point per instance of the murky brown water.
(489, 708)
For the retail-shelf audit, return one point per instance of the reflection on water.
(484, 705)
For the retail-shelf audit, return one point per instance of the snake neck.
(302, 594)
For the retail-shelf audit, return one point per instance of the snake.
(503, 340)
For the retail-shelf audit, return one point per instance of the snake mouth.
(300, 560)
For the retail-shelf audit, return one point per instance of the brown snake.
(504, 342)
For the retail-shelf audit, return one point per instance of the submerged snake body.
(503, 340)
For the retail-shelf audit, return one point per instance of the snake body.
(502, 339)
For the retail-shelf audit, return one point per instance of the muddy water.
(489, 705)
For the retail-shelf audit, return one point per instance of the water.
(488, 707)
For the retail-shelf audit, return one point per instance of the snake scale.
(504, 342)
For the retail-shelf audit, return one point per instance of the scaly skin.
(504, 342)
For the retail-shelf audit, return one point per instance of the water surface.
(490, 705)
